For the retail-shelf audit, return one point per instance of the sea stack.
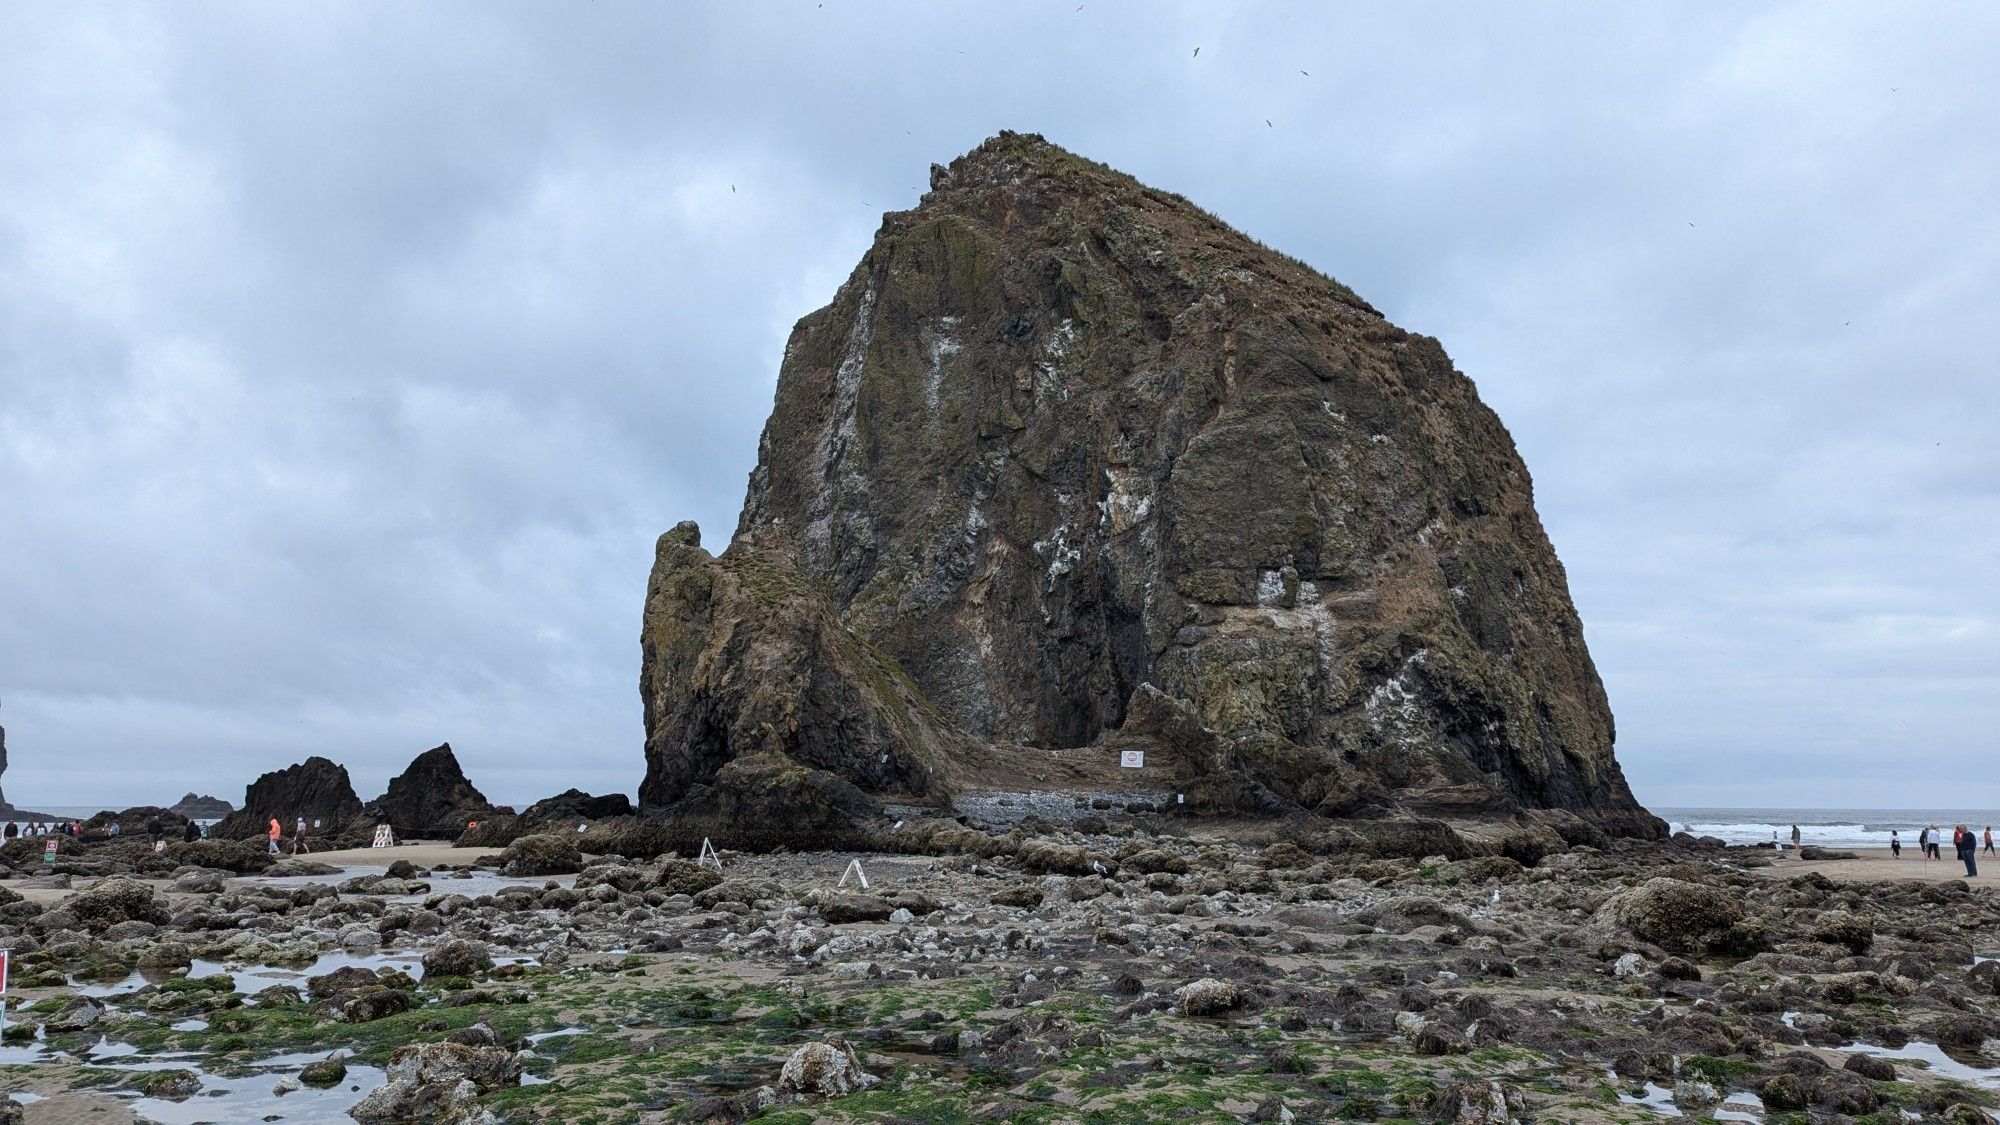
(433, 797)
(316, 789)
(1068, 467)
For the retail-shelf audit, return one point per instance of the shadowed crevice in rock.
(1065, 452)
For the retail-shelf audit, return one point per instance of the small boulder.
(826, 1069)
(324, 1073)
(457, 958)
(117, 900)
(367, 1007)
(680, 877)
(541, 855)
(1871, 1067)
(842, 909)
(438, 1083)
(1207, 997)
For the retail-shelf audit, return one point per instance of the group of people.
(155, 830)
(1965, 844)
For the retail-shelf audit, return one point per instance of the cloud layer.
(352, 357)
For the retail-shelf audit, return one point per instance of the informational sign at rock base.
(1132, 759)
(385, 837)
(49, 853)
(854, 869)
(708, 855)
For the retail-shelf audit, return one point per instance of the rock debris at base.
(1241, 975)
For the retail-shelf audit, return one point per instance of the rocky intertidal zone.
(1118, 970)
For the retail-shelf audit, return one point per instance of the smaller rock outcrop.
(575, 804)
(826, 1069)
(432, 797)
(764, 711)
(541, 855)
(316, 789)
(437, 1082)
(117, 900)
(201, 807)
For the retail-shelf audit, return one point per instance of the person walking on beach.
(276, 832)
(299, 837)
(1895, 845)
(1795, 837)
(1937, 842)
(1989, 840)
(1968, 850)
(1924, 843)
(192, 833)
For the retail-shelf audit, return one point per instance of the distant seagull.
(1307, 73)
(1893, 89)
(1845, 322)
(1267, 123)
(1197, 52)
(1690, 224)
(732, 189)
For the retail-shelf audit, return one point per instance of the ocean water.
(1829, 828)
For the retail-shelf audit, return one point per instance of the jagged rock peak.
(316, 789)
(1061, 439)
(431, 797)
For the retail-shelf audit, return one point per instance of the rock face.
(575, 804)
(316, 789)
(1066, 451)
(202, 807)
(430, 798)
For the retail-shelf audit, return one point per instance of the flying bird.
(1197, 52)
(1690, 224)
(732, 189)
(1267, 123)
(1307, 73)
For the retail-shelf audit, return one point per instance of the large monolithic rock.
(431, 797)
(1063, 442)
(316, 789)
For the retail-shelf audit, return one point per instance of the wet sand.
(423, 855)
(1876, 863)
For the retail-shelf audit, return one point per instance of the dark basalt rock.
(575, 804)
(1062, 444)
(201, 807)
(315, 789)
(430, 798)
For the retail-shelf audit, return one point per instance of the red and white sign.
(1132, 759)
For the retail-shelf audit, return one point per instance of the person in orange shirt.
(277, 831)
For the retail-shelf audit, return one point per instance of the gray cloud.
(351, 358)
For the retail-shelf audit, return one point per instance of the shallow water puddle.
(1987, 1078)
(247, 1092)
(1657, 1098)
(255, 978)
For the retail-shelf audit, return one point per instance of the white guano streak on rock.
(839, 432)
(1308, 614)
(1392, 707)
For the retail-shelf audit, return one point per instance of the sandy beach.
(1875, 864)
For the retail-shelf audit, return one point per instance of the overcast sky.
(352, 356)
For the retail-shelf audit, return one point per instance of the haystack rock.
(431, 798)
(315, 789)
(1069, 467)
